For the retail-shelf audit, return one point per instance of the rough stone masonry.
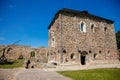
(74, 38)
(82, 38)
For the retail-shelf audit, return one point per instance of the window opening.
(53, 42)
(92, 28)
(82, 27)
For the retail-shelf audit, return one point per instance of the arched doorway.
(83, 57)
(82, 60)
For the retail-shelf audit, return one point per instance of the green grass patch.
(15, 64)
(94, 74)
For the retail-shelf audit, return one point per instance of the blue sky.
(28, 20)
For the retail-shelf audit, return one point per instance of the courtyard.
(62, 72)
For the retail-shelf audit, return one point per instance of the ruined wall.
(41, 55)
(13, 52)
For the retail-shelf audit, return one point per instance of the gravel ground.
(8, 74)
(30, 74)
(38, 74)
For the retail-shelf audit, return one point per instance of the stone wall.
(13, 52)
(71, 43)
(41, 55)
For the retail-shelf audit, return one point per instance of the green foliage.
(118, 39)
(95, 74)
(15, 64)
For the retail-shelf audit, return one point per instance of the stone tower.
(81, 37)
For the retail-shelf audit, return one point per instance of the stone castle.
(74, 37)
(80, 37)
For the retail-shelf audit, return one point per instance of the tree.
(118, 39)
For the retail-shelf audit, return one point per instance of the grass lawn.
(94, 74)
(16, 64)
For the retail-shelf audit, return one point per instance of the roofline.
(76, 12)
(56, 15)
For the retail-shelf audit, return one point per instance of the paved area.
(38, 74)
(7, 74)
(30, 74)
(46, 73)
